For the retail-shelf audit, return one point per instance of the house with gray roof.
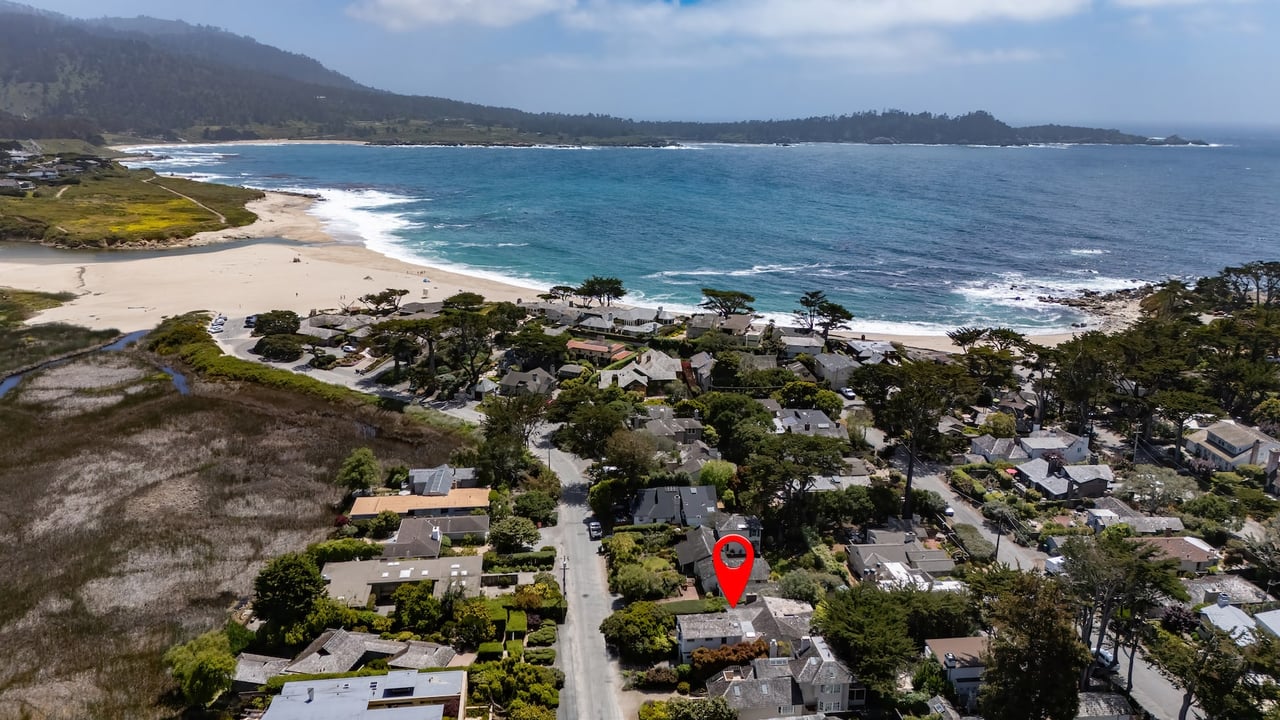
(834, 369)
(353, 582)
(992, 448)
(1229, 619)
(440, 479)
(1269, 622)
(398, 695)
(814, 680)
(704, 570)
(757, 698)
(700, 367)
(866, 559)
(423, 537)
(1228, 445)
(765, 618)
(872, 352)
(1108, 506)
(793, 346)
(1057, 481)
(686, 506)
(533, 382)
(1071, 448)
(808, 422)
(1235, 589)
(1103, 706)
(627, 378)
(253, 671)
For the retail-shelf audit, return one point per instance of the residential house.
(866, 559)
(834, 369)
(340, 651)
(483, 389)
(793, 346)
(737, 327)
(534, 382)
(685, 506)
(1110, 510)
(1193, 554)
(1230, 619)
(424, 536)
(766, 618)
(1236, 590)
(690, 457)
(661, 422)
(398, 695)
(628, 378)
(1071, 448)
(253, 671)
(705, 572)
(658, 366)
(872, 352)
(779, 686)
(1104, 706)
(992, 448)
(1269, 621)
(700, 367)
(420, 310)
(439, 480)
(329, 327)
(597, 323)
(808, 422)
(597, 351)
(1228, 445)
(962, 664)
(569, 371)
(901, 576)
(1055, 480)
(459, 501)
(353, 582)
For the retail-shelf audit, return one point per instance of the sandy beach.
(134, 290)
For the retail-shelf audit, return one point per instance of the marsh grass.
(22, 346)
(130, 526)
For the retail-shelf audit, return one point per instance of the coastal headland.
(304, 269)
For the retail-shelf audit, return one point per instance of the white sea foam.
(1015, 290)
(753, 270)
(1089, 251)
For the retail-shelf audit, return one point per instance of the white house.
(1228, 445)
(1072, 448)
(962, 664)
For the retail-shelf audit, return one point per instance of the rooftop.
(458, 498)
(1182, 548)
(966, 650)
(353, 581)
(374, 697)
(1098, 705)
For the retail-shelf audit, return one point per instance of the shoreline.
(252, 269)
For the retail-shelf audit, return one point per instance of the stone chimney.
(1273, 462)
(806, 642)
(1223, 599)
(1253, 451)
(773, 648)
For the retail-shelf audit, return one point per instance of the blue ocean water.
(913, 239)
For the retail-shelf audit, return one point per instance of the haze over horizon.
(1140, 65)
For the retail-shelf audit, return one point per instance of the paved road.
(592, 682)
(1151, 689)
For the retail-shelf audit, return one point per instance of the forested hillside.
(62, 77)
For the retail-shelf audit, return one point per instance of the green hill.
(62, 77)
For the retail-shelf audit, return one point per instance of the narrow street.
(592, 683)
(1151, 689)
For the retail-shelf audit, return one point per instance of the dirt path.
(221, 218)
(61, 190)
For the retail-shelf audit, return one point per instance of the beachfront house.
(872, 352)
(793, 346)
(834, 369)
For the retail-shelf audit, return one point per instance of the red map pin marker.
(733, 580)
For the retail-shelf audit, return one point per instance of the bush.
(518, 622)
(537, 506)
(540, 656)
(978, 547)
(683, 687)
(279, 348)
(489, 651)
(519, 562)
(515, 649)
(543, 636)
(343, 550)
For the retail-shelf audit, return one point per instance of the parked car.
(251, 321)
(594, 530)
(1106, 660)
(848, 393)
(215, 329)
(949, 511)
(350, 349)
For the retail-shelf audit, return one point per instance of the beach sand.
(316, 273)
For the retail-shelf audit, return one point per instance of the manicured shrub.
(515, 648)
(489, 651)
(540, 656)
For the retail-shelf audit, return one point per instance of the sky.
(1154, 66)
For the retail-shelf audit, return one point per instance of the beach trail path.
(221, 218)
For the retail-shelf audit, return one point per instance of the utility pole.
(564, 566)
(999, 534)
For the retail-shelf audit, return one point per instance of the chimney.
(950, 661)
(1223, 599)
(1273, 461)
(773, 648)
(806, 642)
(1055, 463)
(1253, 451)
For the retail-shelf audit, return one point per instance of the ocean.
(912, 239)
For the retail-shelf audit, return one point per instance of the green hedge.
(519, 562)
(649, 528)
(518, 622)
(693, 607)
(543, 636)
(489, 651)
(978, 547)
(540, 656)
(515, 649)
(497, 610)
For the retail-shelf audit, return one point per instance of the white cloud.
(406, 14)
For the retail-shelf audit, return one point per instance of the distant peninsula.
(120, 80)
